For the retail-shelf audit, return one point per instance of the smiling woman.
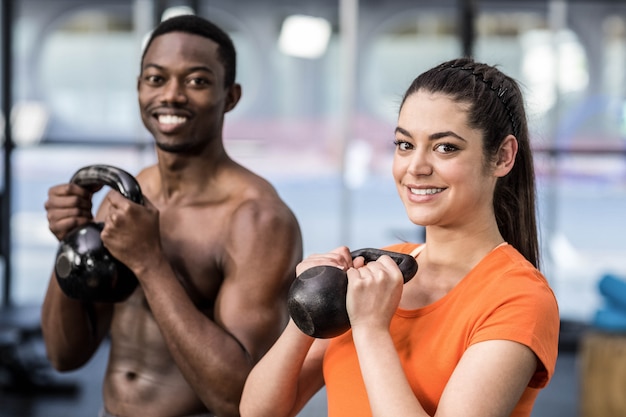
(477, 312)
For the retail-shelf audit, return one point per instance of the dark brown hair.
(496, 107)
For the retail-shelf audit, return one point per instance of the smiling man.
(214, 247)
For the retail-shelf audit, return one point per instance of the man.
(214, 248)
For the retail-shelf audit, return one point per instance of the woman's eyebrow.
(440, 135)
(433, 136)
(402, 131)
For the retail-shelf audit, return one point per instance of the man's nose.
(174, 92)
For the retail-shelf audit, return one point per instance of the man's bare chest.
(194, 243)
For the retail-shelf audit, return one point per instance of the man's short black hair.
(197, 25)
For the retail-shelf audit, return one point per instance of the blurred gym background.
(322, 80)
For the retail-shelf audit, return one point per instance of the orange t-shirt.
(504, 297)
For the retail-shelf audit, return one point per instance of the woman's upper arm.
(489, 380)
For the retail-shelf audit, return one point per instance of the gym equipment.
(317, 298)
(613, 288)
(85, 269)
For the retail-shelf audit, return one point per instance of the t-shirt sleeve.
(523, 309)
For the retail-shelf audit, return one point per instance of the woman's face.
(439, 165)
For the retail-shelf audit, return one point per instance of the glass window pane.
(88, 69)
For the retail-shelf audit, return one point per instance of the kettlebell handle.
(406, 263)
(116, 178)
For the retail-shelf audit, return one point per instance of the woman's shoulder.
(507, 271)
(403, 247)
(506, 258)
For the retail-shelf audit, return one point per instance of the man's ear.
(506, 156)
(232, 97)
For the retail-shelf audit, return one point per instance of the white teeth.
(426, 191)
(170, 119)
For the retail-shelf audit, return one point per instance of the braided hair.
(496, 108)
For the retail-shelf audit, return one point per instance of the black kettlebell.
(317, 298)
(85, 269)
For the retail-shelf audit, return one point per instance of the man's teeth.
(425, 191)
(170, 119)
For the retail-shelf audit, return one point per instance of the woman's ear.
(506, 156)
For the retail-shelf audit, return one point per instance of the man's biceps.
(256, 326)
(252, 307)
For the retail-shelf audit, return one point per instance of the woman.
(475, 332)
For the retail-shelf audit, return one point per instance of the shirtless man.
(214, 247)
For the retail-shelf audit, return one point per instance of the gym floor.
(30, 388)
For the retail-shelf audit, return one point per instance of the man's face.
(181, 91)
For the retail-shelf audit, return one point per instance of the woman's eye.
(445, 148)
(403, 145)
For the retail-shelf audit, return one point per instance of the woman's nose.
(420, 163)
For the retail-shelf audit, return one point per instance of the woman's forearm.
(273, 386)
(387, 388)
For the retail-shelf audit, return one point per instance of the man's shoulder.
(260, 206)
(260, 210)
(147, 176)
(256, 193)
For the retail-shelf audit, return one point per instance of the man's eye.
(198, 81)
(153, 79)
